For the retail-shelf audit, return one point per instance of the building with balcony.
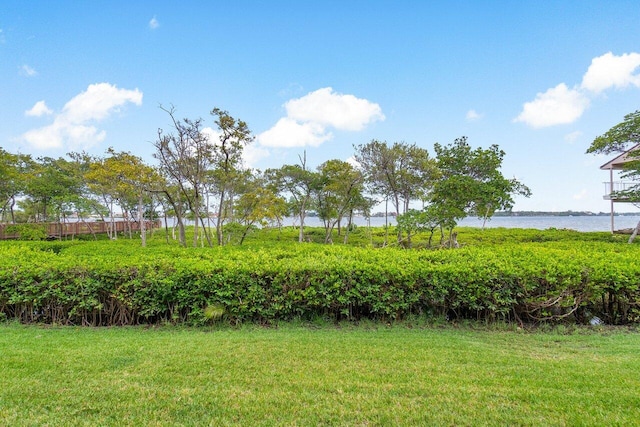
(617, 191)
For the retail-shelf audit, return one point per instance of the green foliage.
(53, 187)
(399, 172)
(258, 205)
(213, 312)
(13, 181)
(416, 221)
(298, 183)
(339, 192)
(471, 183)
(27, 231)
(509, 275)
(619, 137)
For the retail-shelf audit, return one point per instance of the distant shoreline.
(562, 213)
(534, 213)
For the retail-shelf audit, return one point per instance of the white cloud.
(98, 102)
(328, 108)
(558, 105)
(353, 162)
(289, 133)
(253, 153)
(573, 136)
(60, 134)
(39, 109)
(153, 23)
(611, 71)
(2, 39)
(28, 71)
(309, 118)
(473, 115)
(213, 136)
(561, 105)
(73, 126)
(581, 195)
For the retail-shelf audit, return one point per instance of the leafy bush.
(27, 231)
(117, 283)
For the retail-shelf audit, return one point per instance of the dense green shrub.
(27, 231)
(119, 283)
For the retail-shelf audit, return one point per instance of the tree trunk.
(206, 232)
(397, 206)
(303, 211)
(166, 224)
(386, 221)
(245, 232)
(453, 240)
(11, 212)
(143, 231)
(61, 223)
(330, 226)
(301, 231)
(196, 214)
(128, 222)
(91, 230)
(181, 233)
(635, 233)
(349, 225)
(484, 220)
(208, 227)
(219, 219)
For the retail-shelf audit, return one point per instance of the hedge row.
(106, 283)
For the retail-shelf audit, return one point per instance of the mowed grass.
(310, 376)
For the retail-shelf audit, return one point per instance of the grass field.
(318, 375)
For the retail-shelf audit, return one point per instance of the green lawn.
(295, 375)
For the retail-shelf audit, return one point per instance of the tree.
(185, 157)
(172, 205)
(471, 183)
(402, 172)
(12, 181)
(227, 159)
(619, 138)
(50, 184)
(624, 137)
(123, 179)
(136, 182)
(415, 221)
(338, 192)
(101, 178)
(298, 183)
(359, 203)
(85, 203)
(258, 205)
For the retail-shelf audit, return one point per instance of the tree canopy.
(619, 138)
(201, 177)
(472, 183)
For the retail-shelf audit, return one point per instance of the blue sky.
(540, 79)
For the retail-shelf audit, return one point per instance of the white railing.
(616, 190)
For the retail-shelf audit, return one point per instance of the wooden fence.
(67, 229)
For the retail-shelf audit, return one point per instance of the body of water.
(579, 223)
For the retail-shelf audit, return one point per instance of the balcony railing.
(622, 191)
